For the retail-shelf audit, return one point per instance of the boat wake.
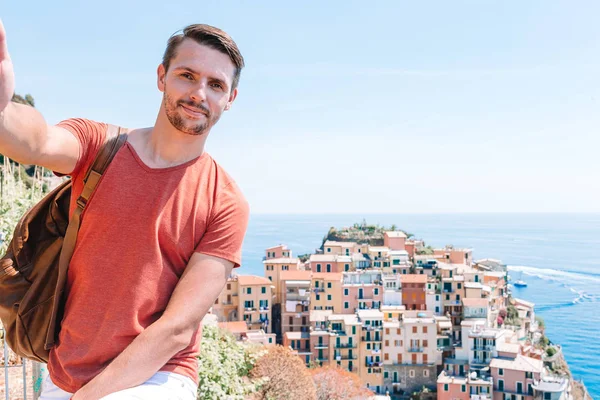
(566, 279)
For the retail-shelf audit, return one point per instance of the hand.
(7, 76)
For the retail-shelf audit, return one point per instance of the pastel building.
(226, 306)
(255, 302)
(371, 354)
(326, 291)
(471, 387)
(361, 290)
(280, 251)
(395, 240)
(455, 256)
(413, 291)
(379, 256)
(299, 342)
(452, 292)
(346, 335)
(398, 261)
(515, 377)
(273, 269)
(295, 307)
(475, 307)
(410, 352)
(261, 337)
(392, 290)
(341, 248)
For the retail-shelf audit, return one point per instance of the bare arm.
(198, 288)
(24, 134)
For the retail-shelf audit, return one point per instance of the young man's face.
(197, 87)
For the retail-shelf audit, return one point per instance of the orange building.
(255, 301)
(413, 291)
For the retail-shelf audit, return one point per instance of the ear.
(160, 77)
(232, 97)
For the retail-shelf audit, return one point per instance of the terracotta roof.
(413, 278)
(247, 280)
(328, 276)
(283, 246)
(295, 275)
(475, 302)
(234, 326)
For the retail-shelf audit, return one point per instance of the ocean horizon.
(556, 253)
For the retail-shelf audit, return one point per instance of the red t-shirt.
(138, 233)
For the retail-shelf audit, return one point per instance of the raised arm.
(24, 134)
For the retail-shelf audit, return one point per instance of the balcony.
(481, 361)
(371, 339)
(521, 393)
(345, 357)
(297, 297)
(487, 347)
(376, 351)
(345, 346)
(372, 364)
(365, 297)
(321, 346)
(248, 310)
(318, 290)
(263, 309)
(227, 303)
(415, 349)
(372, 327)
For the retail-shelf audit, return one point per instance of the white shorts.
(160, 386)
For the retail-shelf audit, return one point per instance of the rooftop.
(333, 243)
(474, 302)
(523, 302)
(283, 247)
(413, 278)
(297, 335)
(283, 260)
(396, 234)
(349, 319)
(234, 326)
(369, 314)
(328, 276)
(295, 275)
(248, 280)
(319, 315)
(379, 248)
(473, 285)
(322, 258)
(520, 363)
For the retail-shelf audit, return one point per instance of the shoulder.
(227, 191)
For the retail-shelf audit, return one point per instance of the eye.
(217, 85)
(187, 76)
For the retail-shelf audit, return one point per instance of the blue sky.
(350, 107)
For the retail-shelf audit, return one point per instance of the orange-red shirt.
(138, 232)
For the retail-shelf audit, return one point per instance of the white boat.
(520, 283)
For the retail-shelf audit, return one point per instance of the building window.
(249, 290)
(424, 329)
(376, 291)
(500, 371)
(426, 373)
(263, 289)
(271, 278)
(368, 346)
(229, 286)
(328, 285)
(329, 297)
(318, 297)
(318, 267)
(345, 292)
(445, 387)
(347, 267)
(460, 286)
(345, 304)
(329, 249)
(463, 388)
(354, 330)
(547, 396)
(414, 329)
(411, 373)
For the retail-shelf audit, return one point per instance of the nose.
(198, 94)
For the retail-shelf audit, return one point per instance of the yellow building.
(342, 248)
(326, 292)
(280, 251)
(255, 302)
(380, 256)
(371, 355)
(346, 330)
(227, 304)
(273, 269)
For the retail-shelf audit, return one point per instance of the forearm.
(149, 352)
(23, 132)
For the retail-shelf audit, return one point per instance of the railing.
(318, 289)
(487, 347)
(415, 349)
(16, 383)
(373, 364)
(345, 346)
(371, 339)
(365, 297)
(321, 346)
(372, 327)
(346, 357)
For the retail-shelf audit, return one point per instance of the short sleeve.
(226, 229)
(91, 136)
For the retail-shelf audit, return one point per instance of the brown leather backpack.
(33, 272)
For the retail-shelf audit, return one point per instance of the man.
(160, 236)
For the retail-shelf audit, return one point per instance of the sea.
(558, 255)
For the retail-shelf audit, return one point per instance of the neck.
(164, 146)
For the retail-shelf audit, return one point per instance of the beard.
(184, 125)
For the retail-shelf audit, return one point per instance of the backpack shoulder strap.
(115, 138)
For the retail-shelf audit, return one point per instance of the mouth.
(193, 112)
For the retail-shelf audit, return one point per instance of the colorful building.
(255, 301)
(295, 305)
(413, 291)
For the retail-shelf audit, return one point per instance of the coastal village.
(403, 317)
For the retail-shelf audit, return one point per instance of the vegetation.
(335, 383)
(550, 351)
(425, 251)
(361, 233)
(283, 376)
(304, 257)
(224, 365)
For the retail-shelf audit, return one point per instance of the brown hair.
(209, 36)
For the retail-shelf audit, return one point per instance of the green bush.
(550, 351)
